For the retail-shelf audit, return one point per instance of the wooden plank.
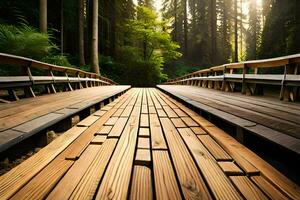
(88, 121)
(144, 132)
(127, 111)
(99, 113)
(178, 123)
(157, 138)
(230, 145)
(214, 148)
(98, 139)
(230, 168)
(143, 143)
(218, 182)
(120, 165)
(179, 112)
(88, 184)
(170, 112)
(189, 122)
(141, 187)
(116, 131)
(118, 113)
(44, 182)
(67, 184)
(268, 188)
(152, 110)
(165, 181)
(104, 130)
(79, 145)
(198, 131)
(144, 120)
(161, 113)
(111, 121)
(247, 188)
(144, 109)
(191, 182)
(13, 180)
(143, 157)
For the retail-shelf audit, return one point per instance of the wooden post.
(282, 90)
(244, 84)
(52, 84)
(69, 84)
(28, 90)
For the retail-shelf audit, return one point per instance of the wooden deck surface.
(273, 120)
(22, 119)
(145, 145)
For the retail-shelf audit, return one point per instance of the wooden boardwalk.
(21, 119)
(273, 120)
(145, 145)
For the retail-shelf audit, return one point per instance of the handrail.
(228, 73)
(27, 62)
(71, 76)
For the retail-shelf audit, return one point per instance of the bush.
(25, 41)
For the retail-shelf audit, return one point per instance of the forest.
(145, 42)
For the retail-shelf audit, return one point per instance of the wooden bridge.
(182, 140)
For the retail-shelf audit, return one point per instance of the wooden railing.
(250, 75)
(52, 75)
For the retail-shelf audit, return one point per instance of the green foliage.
(281, 32)
(150, 46)
(24, 41)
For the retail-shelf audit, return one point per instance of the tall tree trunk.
(81, 32)
(185, 29)
(62, 27)
(43, 16)
(175, 21)
(213, 25)
(241, 29)
(94, 51)
(236, 48)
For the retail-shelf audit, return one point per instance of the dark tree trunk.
(81, 32)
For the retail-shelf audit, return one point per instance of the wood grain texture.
(218, 182)
(98, 139)
(91, 178)
(166, 186)
(158, 141)
(214, 148)
(143, 157)
(67, 184)
(104, 130)
(144, 132)
(120, 165)
(143, 143)
(248, 189)
(144, 122)
(12, 181)
(117, 129)
(88, 121)
(191, 182)
(141, 187)
(230, 169)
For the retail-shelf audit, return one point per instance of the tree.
(81, 20)
(185, 20)
(153, 46)
(94, 51)
(43, 16)
(213, 31)
(236, 48)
